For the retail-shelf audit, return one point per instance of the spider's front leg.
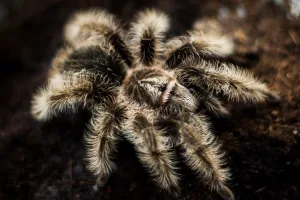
(197, 47)
(201, 151)
(97, 27)
(101, 139)
(146, 36)
(152, 151)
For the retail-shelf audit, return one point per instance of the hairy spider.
(150, 91)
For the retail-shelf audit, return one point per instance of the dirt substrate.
(45, 161)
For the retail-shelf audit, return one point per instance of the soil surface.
(45, 160)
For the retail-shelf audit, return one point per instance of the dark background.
(45, 161)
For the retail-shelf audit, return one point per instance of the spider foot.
(101, 181)
(175, 192)
(226, 193)
(273, 97)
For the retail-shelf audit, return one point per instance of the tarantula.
(149, 90)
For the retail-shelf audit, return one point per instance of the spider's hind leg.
(101, 140)
(153, 151)
(202, 153)
(146, 36)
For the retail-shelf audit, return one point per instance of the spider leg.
(66, 92)
(208, 101)
(223, 79)
(211, 32)
(87, 73)
(197, 46)
(202, 153)
(101, 140)
(153, 152)
(97, 27)
(146, 36)
(210, 72)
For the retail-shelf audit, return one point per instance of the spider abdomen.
(95, 59)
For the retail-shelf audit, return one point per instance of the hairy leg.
(207, 101)
(66, 92)
(211, 32)
(100, 28)
(197, 63)
(101, 140)
(197, 47)
(152, 151)
(146, 36)
(224, 79)
(202, 153)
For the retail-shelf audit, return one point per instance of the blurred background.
(45, 161)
